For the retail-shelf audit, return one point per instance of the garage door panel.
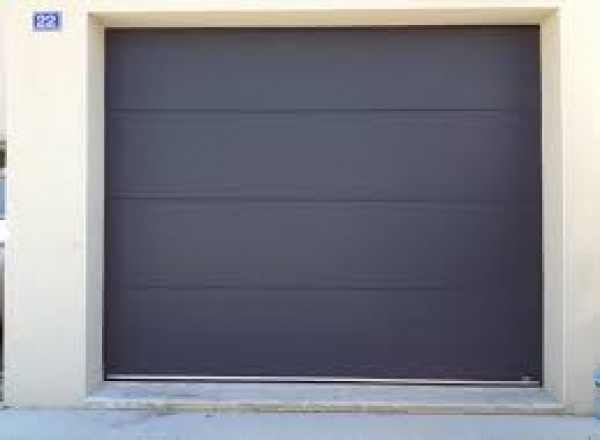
(324, 203)
(386, 155)
(323, 333)
(472, 67)
(322, 244)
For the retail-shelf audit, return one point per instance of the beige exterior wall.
(3, 60)
(54, 284)
(580, 104)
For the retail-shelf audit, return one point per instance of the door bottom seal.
(527, 383)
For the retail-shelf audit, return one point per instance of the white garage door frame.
(56, 136)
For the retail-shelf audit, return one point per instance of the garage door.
(324, 203)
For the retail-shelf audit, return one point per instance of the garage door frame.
(77, 274)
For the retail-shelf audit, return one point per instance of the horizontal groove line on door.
(322, 110)
(300, 199)
(283, 287)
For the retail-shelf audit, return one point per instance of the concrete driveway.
(148, 425)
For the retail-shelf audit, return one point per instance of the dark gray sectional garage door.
(360, 203)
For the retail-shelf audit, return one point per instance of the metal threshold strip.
(324, 380)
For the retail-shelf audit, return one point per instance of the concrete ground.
(148, 425)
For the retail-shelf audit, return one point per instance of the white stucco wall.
(54, 262)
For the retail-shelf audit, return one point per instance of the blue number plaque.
(47, 21)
